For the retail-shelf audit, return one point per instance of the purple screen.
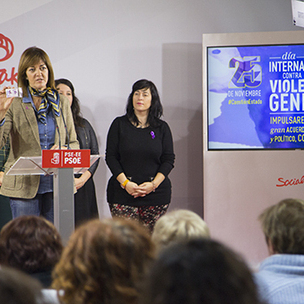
(255, 97)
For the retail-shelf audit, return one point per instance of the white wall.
(104, 46)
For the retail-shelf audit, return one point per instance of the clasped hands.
(139, 190)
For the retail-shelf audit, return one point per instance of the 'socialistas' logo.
(290, 182)
(6, 48)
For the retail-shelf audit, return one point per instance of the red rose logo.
(6, 44)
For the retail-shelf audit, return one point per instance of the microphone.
(57, 128)
(66, 130)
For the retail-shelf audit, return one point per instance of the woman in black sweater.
(140, 156)
(85, 198)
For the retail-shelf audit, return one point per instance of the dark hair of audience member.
(199, 271)
(17, 287)
(103, 262)
(30, 243)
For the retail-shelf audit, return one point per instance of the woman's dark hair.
(199, 271)
(30, 243)
(75, 107)
(156, 109)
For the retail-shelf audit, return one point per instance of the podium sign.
(66, 158)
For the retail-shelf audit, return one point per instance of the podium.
(63, 177)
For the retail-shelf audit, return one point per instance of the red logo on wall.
(6, 52)
(290, 182)
(7, 45)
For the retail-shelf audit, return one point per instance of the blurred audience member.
(18, 288)
(31, 244)
(280, 277)
(178, 225)
(199, 271)
(104, 261)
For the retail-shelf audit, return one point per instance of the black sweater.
(140, 153)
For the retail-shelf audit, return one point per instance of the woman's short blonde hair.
(179, 225)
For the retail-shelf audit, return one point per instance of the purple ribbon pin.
(152, 134)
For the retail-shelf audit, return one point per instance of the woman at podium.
(85, 199)
(38, 119)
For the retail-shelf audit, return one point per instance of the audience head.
(18, 288)
(178, 225)
(30, 57)
(283, 226)
(156, 109)
(30, 243)
(199, 271)
(103, 262)
(66, 88)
